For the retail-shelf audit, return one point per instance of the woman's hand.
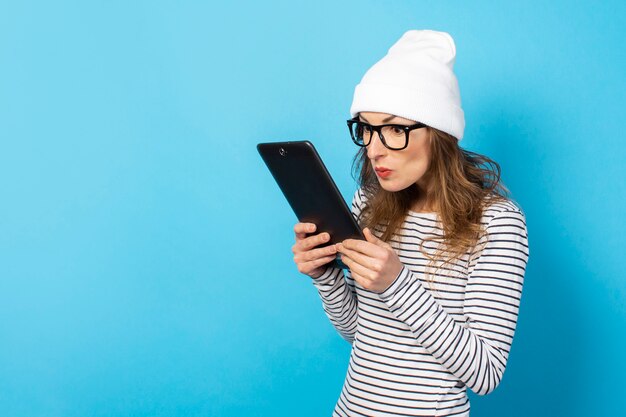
(373, 263)
(311, 261)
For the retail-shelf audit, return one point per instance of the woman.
(431, 298)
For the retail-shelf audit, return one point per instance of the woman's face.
(408, 165)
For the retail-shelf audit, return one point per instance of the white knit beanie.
(415, 81)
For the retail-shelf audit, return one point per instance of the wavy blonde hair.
(462, 184)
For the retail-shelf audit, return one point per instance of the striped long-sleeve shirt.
(418, 345)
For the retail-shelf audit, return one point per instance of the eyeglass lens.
(394, 137)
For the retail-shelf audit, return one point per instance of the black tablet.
(310, 190)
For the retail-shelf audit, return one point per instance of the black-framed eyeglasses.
(393, 136)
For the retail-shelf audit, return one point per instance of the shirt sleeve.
(336, 289)
(476, 351)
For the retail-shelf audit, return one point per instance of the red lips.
(383, 172)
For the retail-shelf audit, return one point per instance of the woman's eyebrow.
(384, 120)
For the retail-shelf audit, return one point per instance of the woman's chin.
(392, 187)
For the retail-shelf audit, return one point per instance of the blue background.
(145, 251)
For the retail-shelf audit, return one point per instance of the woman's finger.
(361, 259)
(363, 281)
(312, 265)
(364, 247)
(314, 241)
(305, 245)
(313, 254)
(301, 230)
(357, 268)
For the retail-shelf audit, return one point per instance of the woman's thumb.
(373, 239)
(369, 235)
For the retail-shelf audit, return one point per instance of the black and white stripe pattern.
(417, 346)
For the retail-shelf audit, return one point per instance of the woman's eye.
(397, 131)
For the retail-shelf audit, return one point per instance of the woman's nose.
(375, 148)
